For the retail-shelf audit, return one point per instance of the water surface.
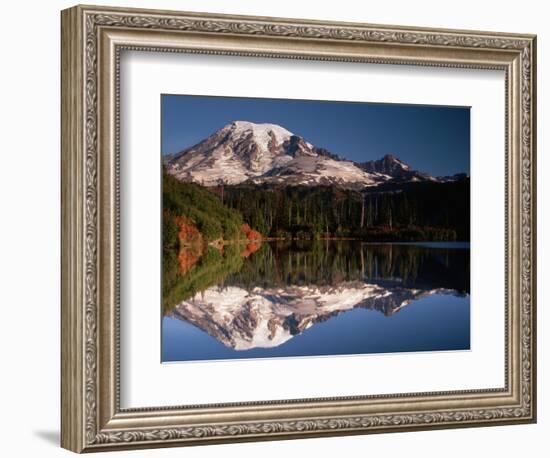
(314, 298)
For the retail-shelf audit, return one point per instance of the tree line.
(415, 211)
(203, 208)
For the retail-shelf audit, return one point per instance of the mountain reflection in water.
(256, 305)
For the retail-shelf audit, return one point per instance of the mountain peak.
(391, 159)
(261, 131)
(266, 153)
(391, 166)
(238, 151)
(254, 125)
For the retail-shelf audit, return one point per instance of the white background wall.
(29, 242)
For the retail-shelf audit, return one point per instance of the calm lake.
(313, 298)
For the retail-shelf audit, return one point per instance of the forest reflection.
(286, 263)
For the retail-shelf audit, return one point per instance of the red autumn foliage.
(188, 233)
(187, 258)
(251, 248)
(190, 244)
(250, 233)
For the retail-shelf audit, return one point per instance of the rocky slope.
(394, 169)
(242, 152)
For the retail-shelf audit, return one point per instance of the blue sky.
(434, 139)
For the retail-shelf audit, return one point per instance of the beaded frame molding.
(92, 40)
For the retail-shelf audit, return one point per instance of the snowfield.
(242, 152)
(264, 153)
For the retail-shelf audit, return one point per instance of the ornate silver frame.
(92, 39)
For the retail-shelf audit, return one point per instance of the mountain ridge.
(247, 152)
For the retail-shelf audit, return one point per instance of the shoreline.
(356, 239)
(222, 243)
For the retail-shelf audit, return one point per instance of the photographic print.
(272, 219)
(305, 228)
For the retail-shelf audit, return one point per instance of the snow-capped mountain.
(263, 153)
(233, 154)
(268, 317)
(245, 152)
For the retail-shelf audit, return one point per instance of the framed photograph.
(278, 228)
